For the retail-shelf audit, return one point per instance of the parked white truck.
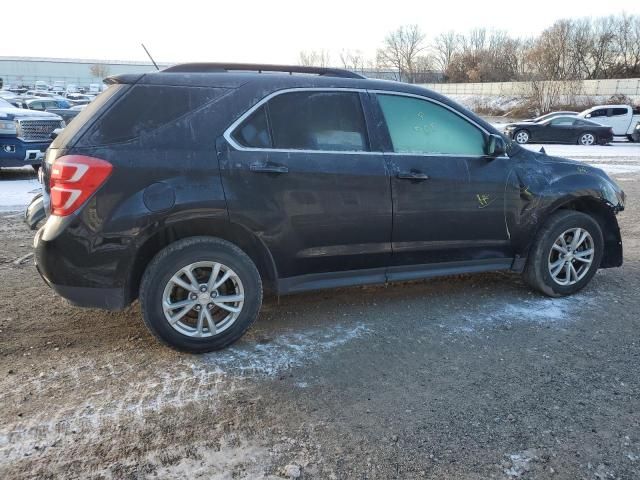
(621, 118)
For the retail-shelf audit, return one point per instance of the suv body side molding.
(319, 281)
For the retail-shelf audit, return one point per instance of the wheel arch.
(605, 215)
(231, 232)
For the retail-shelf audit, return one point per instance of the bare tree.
(99, 70)
(352, 60)
(401, 50)
(314, 58)
(445, 46)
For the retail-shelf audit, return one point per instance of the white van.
(621, 118)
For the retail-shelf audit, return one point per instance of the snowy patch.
(520, 463)
(281, 353)
(16, 194)
(540, 311)
(122, 391)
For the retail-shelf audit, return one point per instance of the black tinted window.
(599, 113)
(619, 111)
(562, 121)
(318, 121)
(145, 108)
(254, 131)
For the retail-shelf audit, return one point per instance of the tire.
(587, 139)
(543, 255)
(522, 136)
(172, 262)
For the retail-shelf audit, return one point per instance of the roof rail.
(255, 67)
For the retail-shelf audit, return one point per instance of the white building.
(26, 70)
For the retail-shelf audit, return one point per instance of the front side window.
(602, 112)
(422, 127)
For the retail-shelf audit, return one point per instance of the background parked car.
(621, 118)
(79, 98)
(548, 116)
(569, 130)
(25, 135)
(43, 104)
(67, 114)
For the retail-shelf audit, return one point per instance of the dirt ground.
(470, 377)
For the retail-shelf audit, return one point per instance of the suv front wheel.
(566, 254)
(200, 294)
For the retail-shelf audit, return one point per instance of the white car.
(621, 118)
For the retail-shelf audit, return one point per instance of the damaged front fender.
(539, 185)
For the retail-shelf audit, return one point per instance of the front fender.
(542, 187)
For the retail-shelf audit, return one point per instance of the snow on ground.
(16, 194)
(616, 158)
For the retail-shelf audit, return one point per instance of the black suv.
(196, 187)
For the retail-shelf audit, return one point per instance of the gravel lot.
(468, 377)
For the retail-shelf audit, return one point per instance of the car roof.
(262, 80)
(597, 107)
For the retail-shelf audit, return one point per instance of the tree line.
(568, 50)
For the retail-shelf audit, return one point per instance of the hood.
(18, 113)
(572, 173)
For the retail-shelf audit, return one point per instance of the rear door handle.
(412, 176)
(268, 168)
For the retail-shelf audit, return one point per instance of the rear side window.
(562, 121)
(423, 127)
(254, 131)
(619, 111)
(307, 120)
(318, 121)
(145, 108)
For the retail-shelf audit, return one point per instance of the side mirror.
(588, 115)
(496, 146)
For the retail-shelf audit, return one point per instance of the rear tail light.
(73, 179)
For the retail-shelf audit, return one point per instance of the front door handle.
(268, 168)
(416, 176)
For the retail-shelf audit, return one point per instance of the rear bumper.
(88, 297)
(91, 286)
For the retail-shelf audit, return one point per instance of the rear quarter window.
(146, 108)
(619, 111)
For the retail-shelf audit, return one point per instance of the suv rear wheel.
(200, 294)
(566, 254)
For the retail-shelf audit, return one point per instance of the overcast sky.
(266, 31)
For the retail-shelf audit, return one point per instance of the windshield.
(4, 103)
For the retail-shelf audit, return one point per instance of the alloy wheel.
(571, 256)
(522, 137)
(587, 139)
(203, 299)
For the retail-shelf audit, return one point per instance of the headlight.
(8, 128)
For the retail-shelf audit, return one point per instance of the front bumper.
(17, 153)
